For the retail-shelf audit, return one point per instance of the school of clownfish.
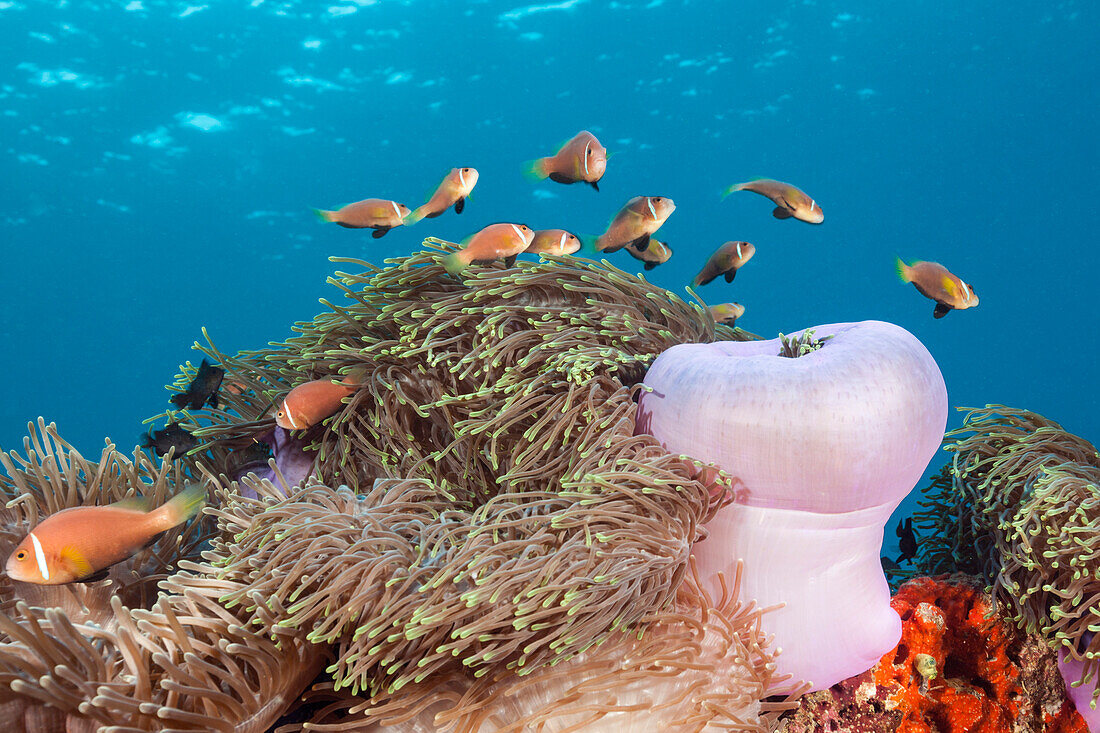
(69, 545)
(584, 160)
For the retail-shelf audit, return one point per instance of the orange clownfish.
(790, 201)
(581, 160)
(554, 242)
(491, 243)
(934, 281)
(726, 260)
(635, 222)
(452, 191)
(726, 313)
(381, 215)
(311, 402)
(81, 542)
(654, 254)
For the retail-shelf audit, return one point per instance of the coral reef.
(824, 433)
(959, 667)
(478, 519)
(1020, 507)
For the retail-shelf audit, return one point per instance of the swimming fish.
(172, 436)
(789, 200)
(907, 539)
(726, 313)
(81, 542)
(635, 222)
(654, 254)
(934, 281)
(311, 402)
(381, 215)
(581, 160)
(491, 243)
(452, 191)
(203, 388)
(726, 260)
(554, 242)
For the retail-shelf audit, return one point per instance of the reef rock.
(960, 667)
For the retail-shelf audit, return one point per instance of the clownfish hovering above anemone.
(494, 242)
(790, 201)
(82, 542)
(381, 215)
(581, 160)
(453, 190)
(936, 282)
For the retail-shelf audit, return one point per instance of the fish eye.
(21, 555)
(657, 199)
(280, 413)
(465, 170)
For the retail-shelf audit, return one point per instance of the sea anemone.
(117, 652)
(823, 434)
(479, 513)
(1019, 506)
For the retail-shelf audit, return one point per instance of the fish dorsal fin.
(134, 503)
(75, 561)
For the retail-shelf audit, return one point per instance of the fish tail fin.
(731, 189)
(323, 215)
(588, 244)
(456, 262)
(413, 216)
(535, 170)
(903, 270)
(182, 506)
(356, 375)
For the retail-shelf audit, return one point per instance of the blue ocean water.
(159, 161)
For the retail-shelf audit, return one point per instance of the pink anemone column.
(821, 448)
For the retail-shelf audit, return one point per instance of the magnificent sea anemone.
(476, 531)
(1019, 506)
(824, 434)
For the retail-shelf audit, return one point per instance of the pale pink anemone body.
(822, 448)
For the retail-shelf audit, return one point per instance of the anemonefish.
(790, 201)
(581, 160)
(654, 254)
(491, 243)
(381, 215)
(554, 242)
(726, 260)
(726, 313)
(934, 281)
(452, 191)
(635, 222)
(311, 402)
(203, 388)
(78, 543)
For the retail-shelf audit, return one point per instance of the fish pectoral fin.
(74, 560)
(95, 577)
(730, 274)
(942, 309)
(641, 243)
(781, 212)
(460, 205)
(380, 232)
